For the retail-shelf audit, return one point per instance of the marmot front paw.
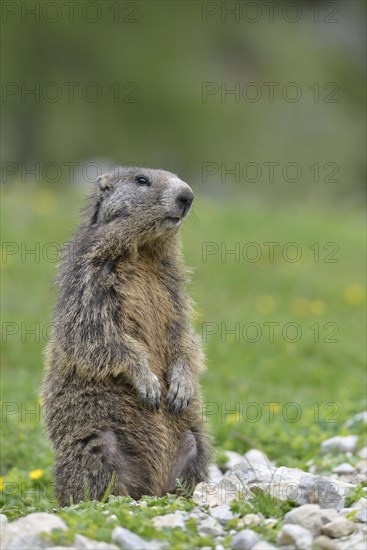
(149, 390)
(180, 394)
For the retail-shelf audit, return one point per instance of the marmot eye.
(142, 180)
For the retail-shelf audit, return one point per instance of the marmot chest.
(147, 308)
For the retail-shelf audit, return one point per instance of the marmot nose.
(184, 199)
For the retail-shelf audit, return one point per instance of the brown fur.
(121, 392)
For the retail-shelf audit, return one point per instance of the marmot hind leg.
(95, 464)
(192, 462)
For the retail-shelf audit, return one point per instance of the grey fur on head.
(155, 197)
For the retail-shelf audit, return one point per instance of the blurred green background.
(162, 69)
(136, 90)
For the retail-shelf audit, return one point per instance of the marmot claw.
(150, 392)
(180, 395)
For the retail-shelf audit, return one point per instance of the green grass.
(269, 507)
(244, 380)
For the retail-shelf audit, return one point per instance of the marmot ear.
(104, 183)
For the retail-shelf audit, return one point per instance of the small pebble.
(244, 540)
(263, 545)
(341, 527)
(233, 459)
(295, 535)
(356, 419)
(344, 469)
(126, 539)
(340, 444)
(307, 516)
(324, 543)
(249, 519)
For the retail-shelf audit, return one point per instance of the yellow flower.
(2, 484)
(317, 307)
(233, 418)
(354, 295)
(274, 406)
(265, 304)
(36, 474)
(299, 306)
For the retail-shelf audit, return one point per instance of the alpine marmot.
(121, 393)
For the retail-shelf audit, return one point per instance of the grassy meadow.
(283, 327)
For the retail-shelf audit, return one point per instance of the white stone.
(175, 519)
(254, 456)
(361, 465)
(308, 516)
(3, 520)
(210, 526)
(127, 540)
(225, 491)
(83, 543)
(215, 474)
(249, 519)
(263, 545)
(324, 543)
(357, 541)
(356, 419)
(244, 540)
(294, 484)
(361, 478)
(25, 533)
(360, 504)
(344, 469)
(341, 527)
(363, 453)
(340, 444)
(296, 535)
(361, 516)
(222, 513)
(233, 459)
(361, 507)
(198, 514)
(328, 515)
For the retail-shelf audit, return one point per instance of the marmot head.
(153, 202)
